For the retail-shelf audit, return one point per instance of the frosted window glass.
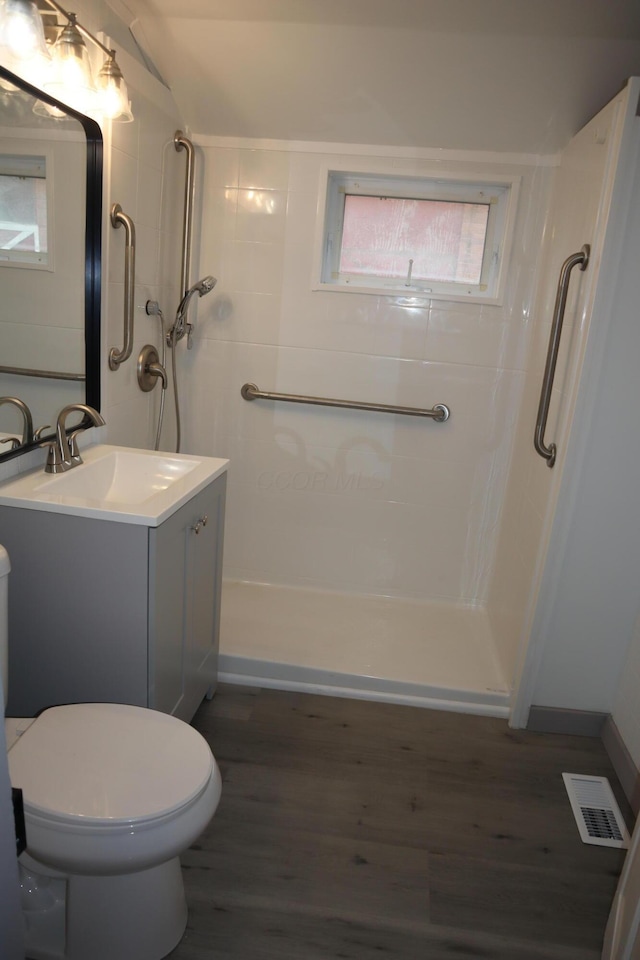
(393, 234)
(444, 239)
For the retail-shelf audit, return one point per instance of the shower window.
(23, 211)
(441, 238)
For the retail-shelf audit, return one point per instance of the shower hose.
(174, 373)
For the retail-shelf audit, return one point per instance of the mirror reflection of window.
(23, 210)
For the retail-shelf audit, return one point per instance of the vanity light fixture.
(113, 98)
(64, 69)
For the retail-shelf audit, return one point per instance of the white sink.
(121, 476)
(116, 483)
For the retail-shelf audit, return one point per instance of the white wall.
(468, 74)
(367, 503)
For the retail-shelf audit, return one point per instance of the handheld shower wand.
(177, 332)
(180, 326)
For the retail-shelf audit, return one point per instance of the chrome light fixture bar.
(65, 70)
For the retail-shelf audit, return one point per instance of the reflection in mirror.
(50, 231)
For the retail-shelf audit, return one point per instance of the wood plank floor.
(349, 829)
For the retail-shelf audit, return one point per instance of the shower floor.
(375, 648)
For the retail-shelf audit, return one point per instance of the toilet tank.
(5, 567)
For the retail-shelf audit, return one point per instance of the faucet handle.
(14, 441)
(37, 434)
(55, 463)
(73, 447)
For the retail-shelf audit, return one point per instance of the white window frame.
(25, 159)
(501, 193)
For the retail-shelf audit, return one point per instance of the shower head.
(180, 327)
(202, 287)
(205, 285)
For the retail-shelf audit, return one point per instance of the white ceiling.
(507, 75)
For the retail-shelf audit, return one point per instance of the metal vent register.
(597, 814)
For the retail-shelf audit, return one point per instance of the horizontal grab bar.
(439, 413)
(43, 374)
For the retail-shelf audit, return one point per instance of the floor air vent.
(597, 814)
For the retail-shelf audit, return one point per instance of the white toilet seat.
(112, 788)
(107, 761)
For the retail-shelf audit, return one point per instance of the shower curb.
(246, 671)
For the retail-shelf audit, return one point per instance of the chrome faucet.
(27, 421)
(63, 451)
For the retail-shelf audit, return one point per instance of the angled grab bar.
(120, 219)
(582, 259)
(439, 413)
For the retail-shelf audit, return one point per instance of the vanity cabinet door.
(185, 576)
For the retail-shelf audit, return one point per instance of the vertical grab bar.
(118, 219)
(182, 143)
(582, 258)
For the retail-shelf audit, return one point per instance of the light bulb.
(71, 80)
(21, 30)
(113, 99)
(23, 49)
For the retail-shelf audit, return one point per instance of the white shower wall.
(356, 502)
(577, 215)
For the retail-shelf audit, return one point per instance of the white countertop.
(121, 484)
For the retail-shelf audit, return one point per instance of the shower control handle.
(202, 522)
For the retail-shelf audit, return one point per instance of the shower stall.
(370, 553)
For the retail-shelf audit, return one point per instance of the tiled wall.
(361, 502)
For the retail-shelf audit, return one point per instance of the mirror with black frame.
(50, 250)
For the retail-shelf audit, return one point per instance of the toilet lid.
(105, 761)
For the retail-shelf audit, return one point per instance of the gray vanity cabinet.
(114, 611)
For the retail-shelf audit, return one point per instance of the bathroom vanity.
(116, 580)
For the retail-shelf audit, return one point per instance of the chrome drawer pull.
(202, 522)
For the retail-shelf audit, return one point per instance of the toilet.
(113, 794)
